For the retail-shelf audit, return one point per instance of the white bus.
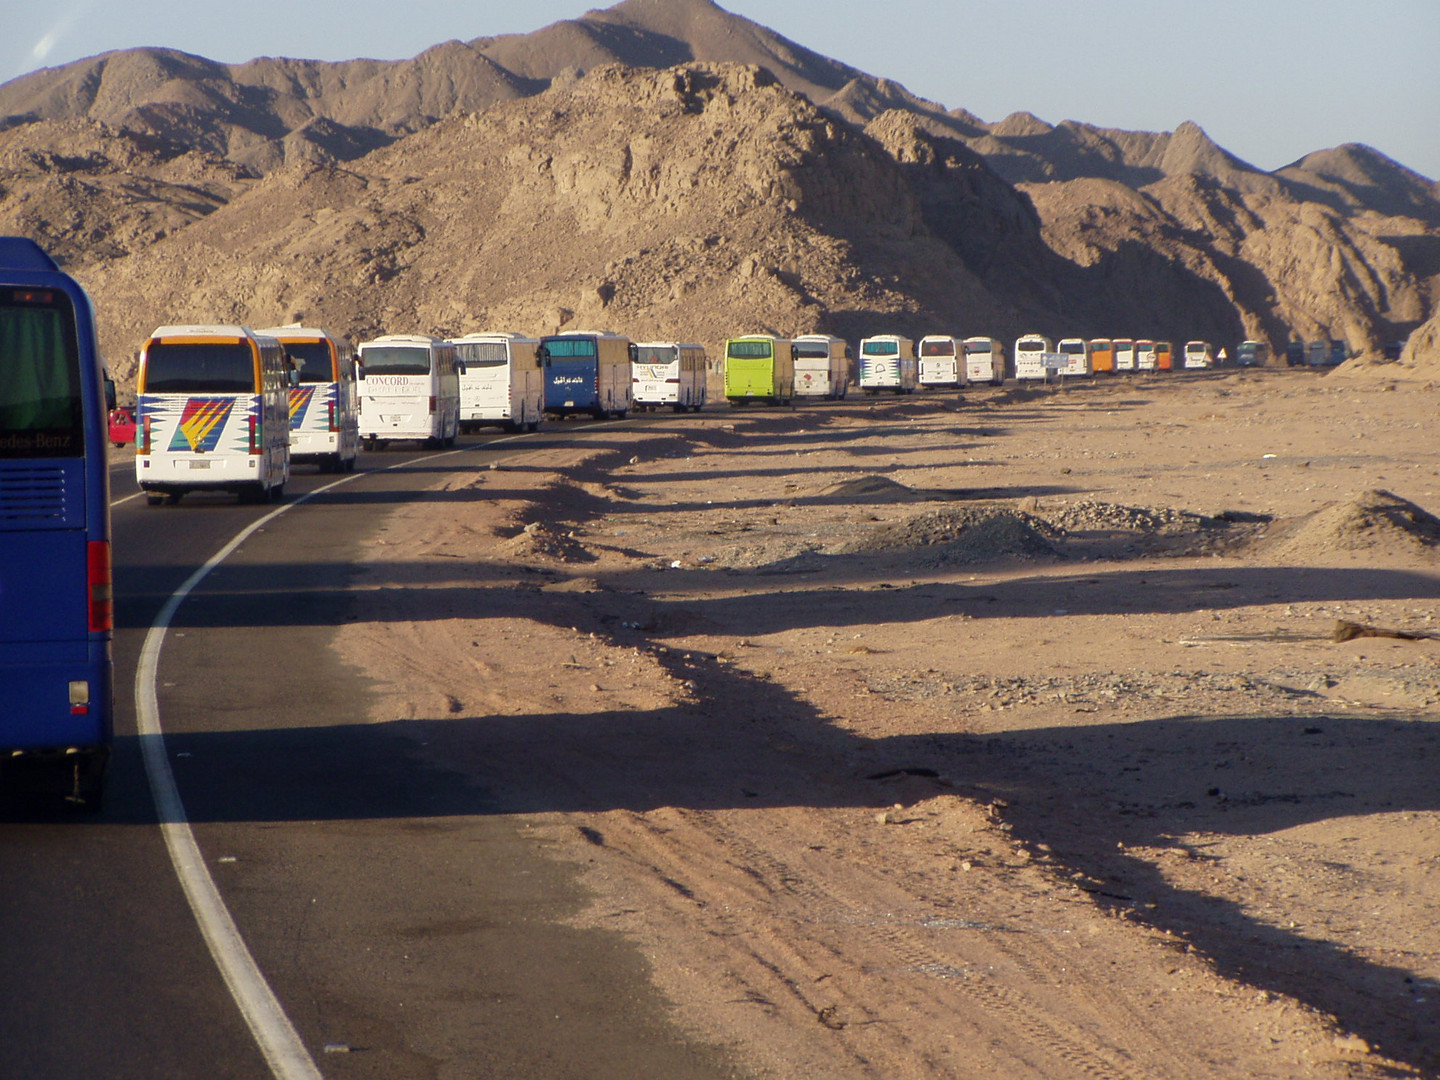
(984, 360)
(1077, 356)
(1030, 353)
(324, 426)
(501, 381)
(1198, 354)
(211, 414)
(822, 366)
(409, 389)
(941, 361)
(1146, 357)
(887, 362)
(668, 373)
(1124, 354)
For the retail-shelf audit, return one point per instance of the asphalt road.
(397, 911)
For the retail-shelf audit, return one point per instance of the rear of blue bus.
(572, 375)
(55, 587)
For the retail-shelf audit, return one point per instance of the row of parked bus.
(228, 408)
(766, 368)
(761, 367)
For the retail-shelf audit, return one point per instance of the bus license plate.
(199, 464)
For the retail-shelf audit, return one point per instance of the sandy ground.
(1000, 734)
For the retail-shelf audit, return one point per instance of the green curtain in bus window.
(37, 378)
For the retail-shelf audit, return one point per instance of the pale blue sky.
(1270, 80)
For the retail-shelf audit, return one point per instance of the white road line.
(278, 1040)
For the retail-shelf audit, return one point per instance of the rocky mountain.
(130, 162)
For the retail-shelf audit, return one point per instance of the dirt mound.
(869, 489)
(538, 540)
(963, 535)
(1372, 522)
(1090, 515)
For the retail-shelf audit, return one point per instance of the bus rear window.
(748, 350)
(809, 350)
(41, 412)
(182, 367)
(649, 354)
(570, 348)
(482, 354)
(1074, 348)
(979, 347)
(880, 348)
(937, 348)
(396, 360)
(312, 359)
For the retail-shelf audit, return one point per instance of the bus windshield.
(880, 348)
(397, 360)
(40, 405)
(748, 350)
(571, 348)
(312, 359)
(183, 367)
(653, 354)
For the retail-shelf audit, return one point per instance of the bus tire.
(277, 493)
(154, 498)
(173, 498)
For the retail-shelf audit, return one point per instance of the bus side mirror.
(634, 352)
(544, 355)
(359, 371)
(460, 367)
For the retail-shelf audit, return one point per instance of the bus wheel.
(277, 493)
(154, 498)
(173, 498)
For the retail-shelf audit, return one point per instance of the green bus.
(759, 367)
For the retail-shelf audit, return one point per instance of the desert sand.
(999, 733)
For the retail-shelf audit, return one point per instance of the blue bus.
(56, 607)
(587, 371)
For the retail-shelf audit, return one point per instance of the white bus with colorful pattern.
(212, 414)
(324, 426)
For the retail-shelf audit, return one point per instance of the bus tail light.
(333, 425)
(101, 587)
(142, 445)
(432, 404)
(254, 429)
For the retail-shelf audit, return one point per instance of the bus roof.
(667, 345)
(403, 339)
(22, 253)
(296, 332)
(491, 335)
(203, 330)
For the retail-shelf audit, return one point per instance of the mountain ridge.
(1341, 243)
